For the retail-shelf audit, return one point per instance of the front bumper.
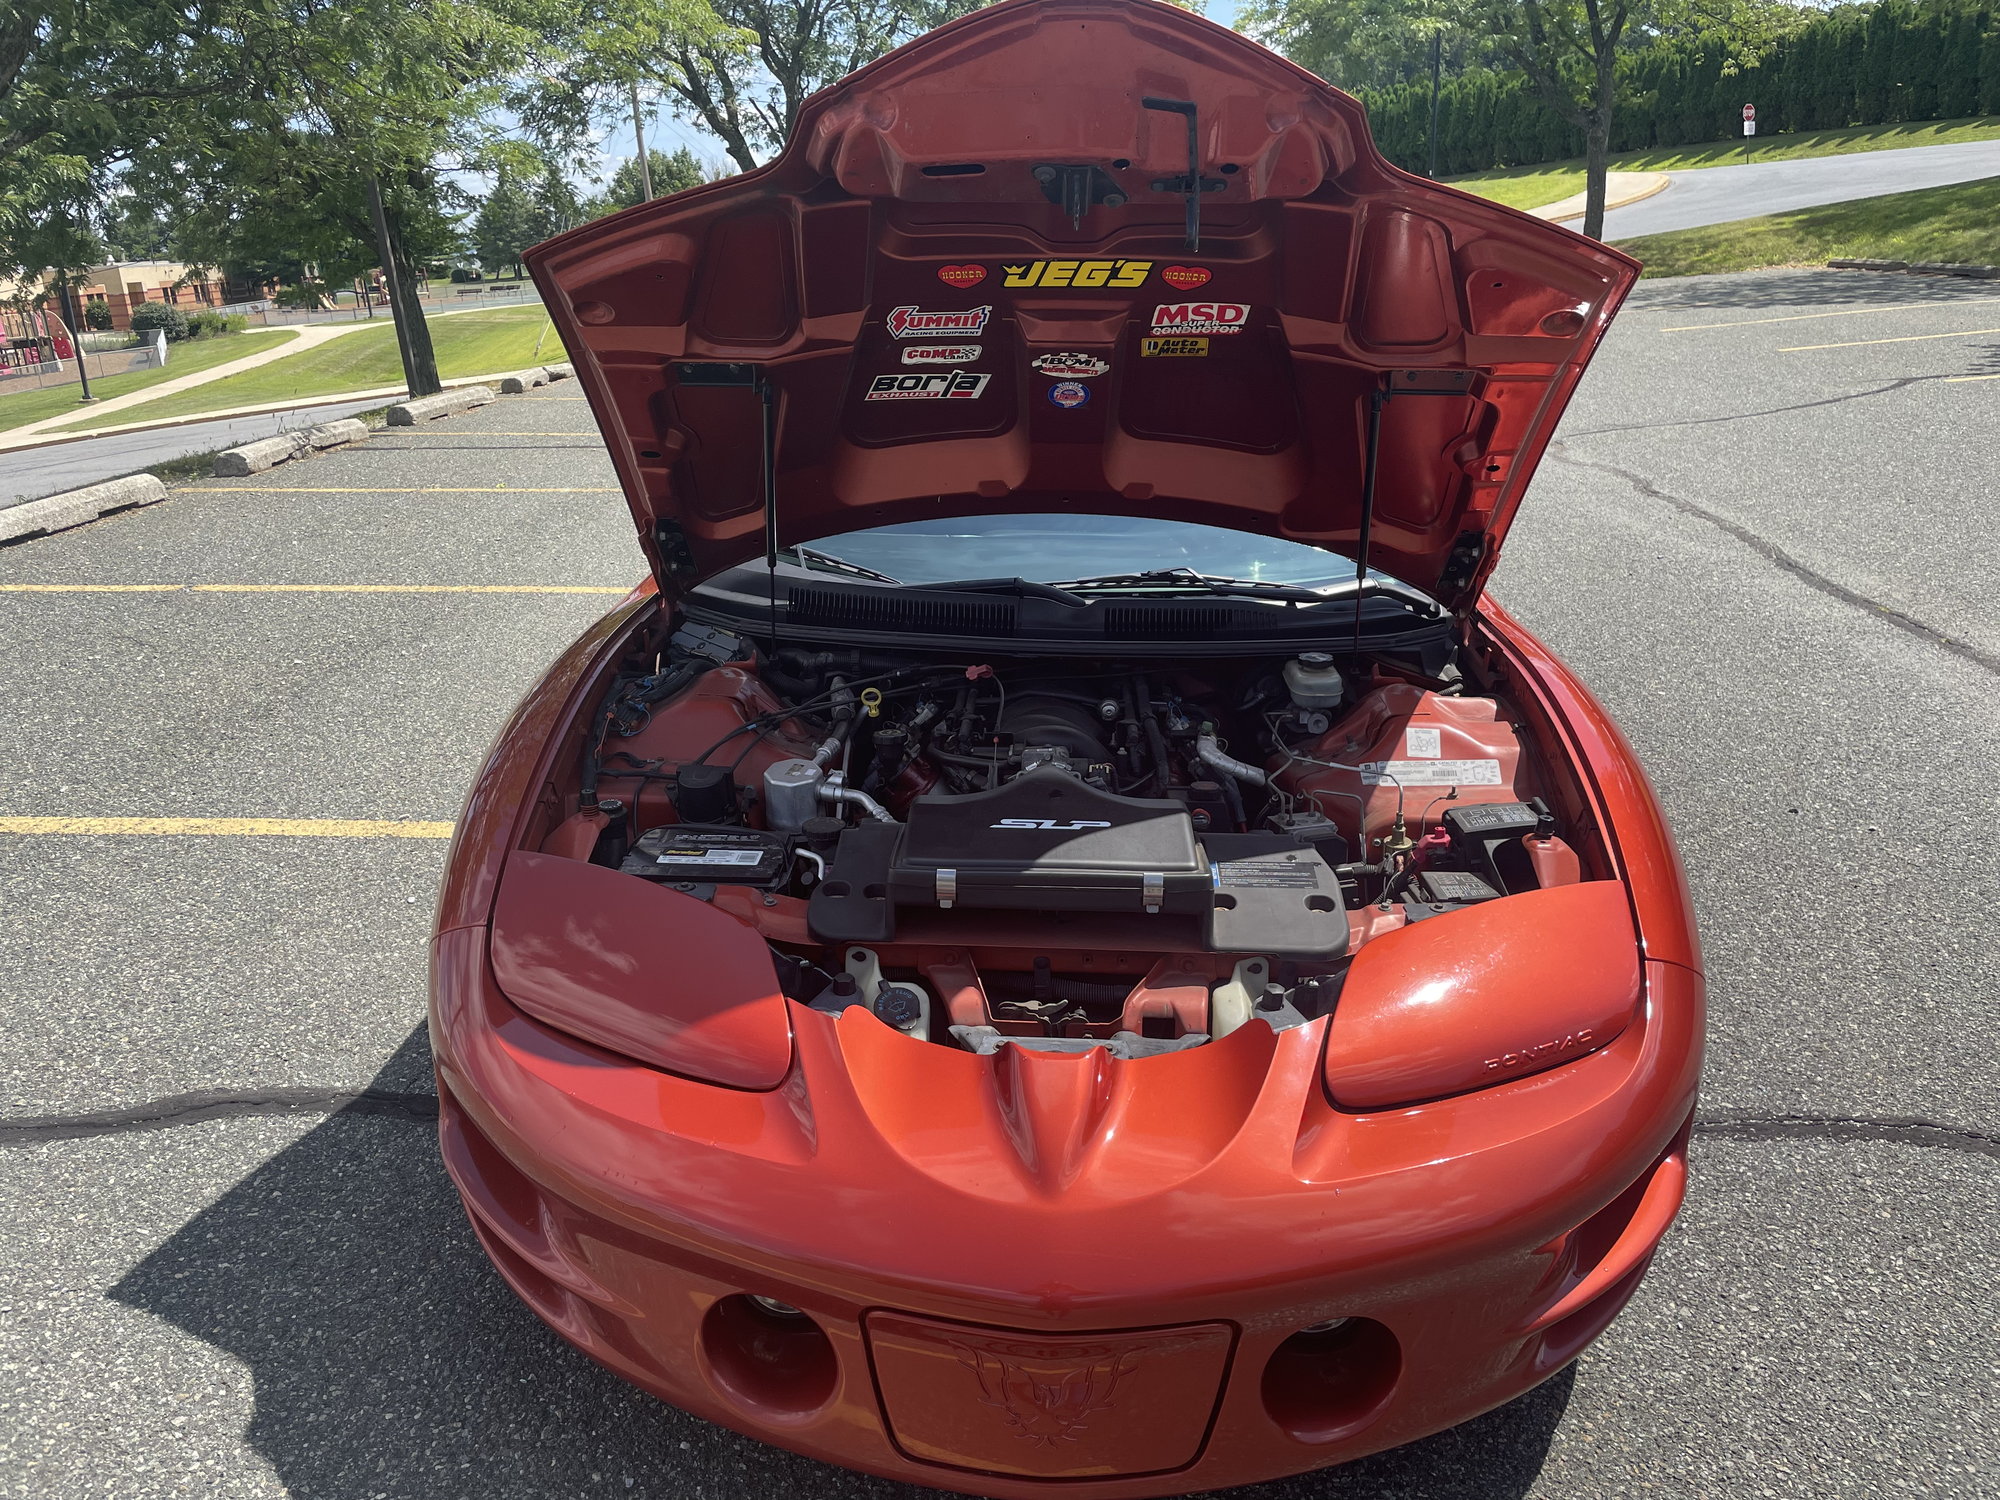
(1091, 1280)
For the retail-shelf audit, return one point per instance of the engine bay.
(1061, 854)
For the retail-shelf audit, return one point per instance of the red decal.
(964, 276)
(1186, 278)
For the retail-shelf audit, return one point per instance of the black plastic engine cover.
(1046, 839)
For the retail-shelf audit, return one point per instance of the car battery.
(681, 855)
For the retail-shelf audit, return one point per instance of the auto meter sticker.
(1071, 366)
(914, 323)
(1185, 278)
(1070, 394)
(1429, 772)
(1173, 348)
(1200, 317)
(1054, 273)
(941, 354)
(961, 276)
(958, 385)
(1423, 744)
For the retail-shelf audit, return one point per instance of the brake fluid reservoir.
(1314, 681)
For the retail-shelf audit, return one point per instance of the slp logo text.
(1047, 273)
(1200, 317)
(913, 323)
(1047, 825)
(959, 385)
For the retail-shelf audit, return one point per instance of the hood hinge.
(672, 544)
(1461, 566)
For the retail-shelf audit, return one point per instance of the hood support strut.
(1401, 383)
(713, 376)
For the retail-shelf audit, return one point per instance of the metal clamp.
(1154, 889)
(947, 888)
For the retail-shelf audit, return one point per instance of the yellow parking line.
(376, 489)
(314, 588)
(1845, 312)
(1908, 338)
(324, 828)
(441, 432)
(1962, 379)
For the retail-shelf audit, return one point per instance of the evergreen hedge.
(1881, 64)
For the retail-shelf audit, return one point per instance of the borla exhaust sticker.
(1200, 317)
(1071, 366)
(1054, 273)
(914, 323)
(941, 354)
(958, 385)
(1173, 348)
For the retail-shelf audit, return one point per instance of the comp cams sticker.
(1071, 366)
(914, 323)
(941, 354)
(1200, 317)
(957, 385)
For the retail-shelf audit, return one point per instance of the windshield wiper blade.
(810, 555)
(1207, 583)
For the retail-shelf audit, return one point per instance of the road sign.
(1749, 127)
(1749, 111)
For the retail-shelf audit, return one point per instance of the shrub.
(148, 316)
(96, 315)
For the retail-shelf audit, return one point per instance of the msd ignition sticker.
(914, 323)
(1071, 366)
(1069, 394)
(1053, 273)
(940, 354)
(1429, 772)
(1200, 317)
(1173, 348)
(959, 385)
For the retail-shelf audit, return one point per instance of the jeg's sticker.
(1053, 273)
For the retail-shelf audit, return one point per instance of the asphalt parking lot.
(234, 1266)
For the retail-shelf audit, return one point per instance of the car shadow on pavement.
(392, 1363)
(1775, 290)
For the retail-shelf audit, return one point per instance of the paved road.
(30, 473)
(1716, 195)
(1768, 558)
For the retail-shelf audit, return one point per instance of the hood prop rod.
(1412, 383)
(716, 375)
(1194, 184)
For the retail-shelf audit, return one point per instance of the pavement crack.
(1906, 1130)
(1773, 553)
(1775, 411)
(215, 1104)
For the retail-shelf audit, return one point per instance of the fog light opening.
(768, 1357)
(1331, 1379)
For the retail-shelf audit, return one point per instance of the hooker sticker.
(1173, 348)
(1069, 395)
(958, 385)
(941, 354)
(1071, 366)
(1051, 273)
(1201, 317)
(914, 323)
(1185, 278)
(961, 276)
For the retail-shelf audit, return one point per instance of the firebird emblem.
(1052, 1408)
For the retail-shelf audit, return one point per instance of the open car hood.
(967, 285)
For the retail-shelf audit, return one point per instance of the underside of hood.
(1080, 255)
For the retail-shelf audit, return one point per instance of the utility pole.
(75, 337)
(1437, 50)
(639, 140)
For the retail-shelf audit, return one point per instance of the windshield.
(1058, 548)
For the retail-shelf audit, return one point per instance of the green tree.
(507, 224)
(674, 173)
(556, 205)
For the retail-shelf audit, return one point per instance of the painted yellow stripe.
(1908, 338)
(1845, 312)
(396, 432)
(373, 489)
(320, 828)
(1962, 379)
(314, 588)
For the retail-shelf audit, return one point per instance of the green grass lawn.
(1957, 223)
(189, 358)
(474, 343)
(1550, 182)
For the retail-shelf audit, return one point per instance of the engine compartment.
(1058, 854)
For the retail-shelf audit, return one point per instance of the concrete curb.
(1621, 190)
(300, 442)
(444, 404)
(560, 372)
(523, 380)
(75, 507)
(1919, 268)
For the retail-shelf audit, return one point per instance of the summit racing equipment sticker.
(1071, 366)
(1087, 273)
(1069, 394)
(1201, 317)
(941, 354)
(958, 385)
(914, 323)
(1173, 348)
